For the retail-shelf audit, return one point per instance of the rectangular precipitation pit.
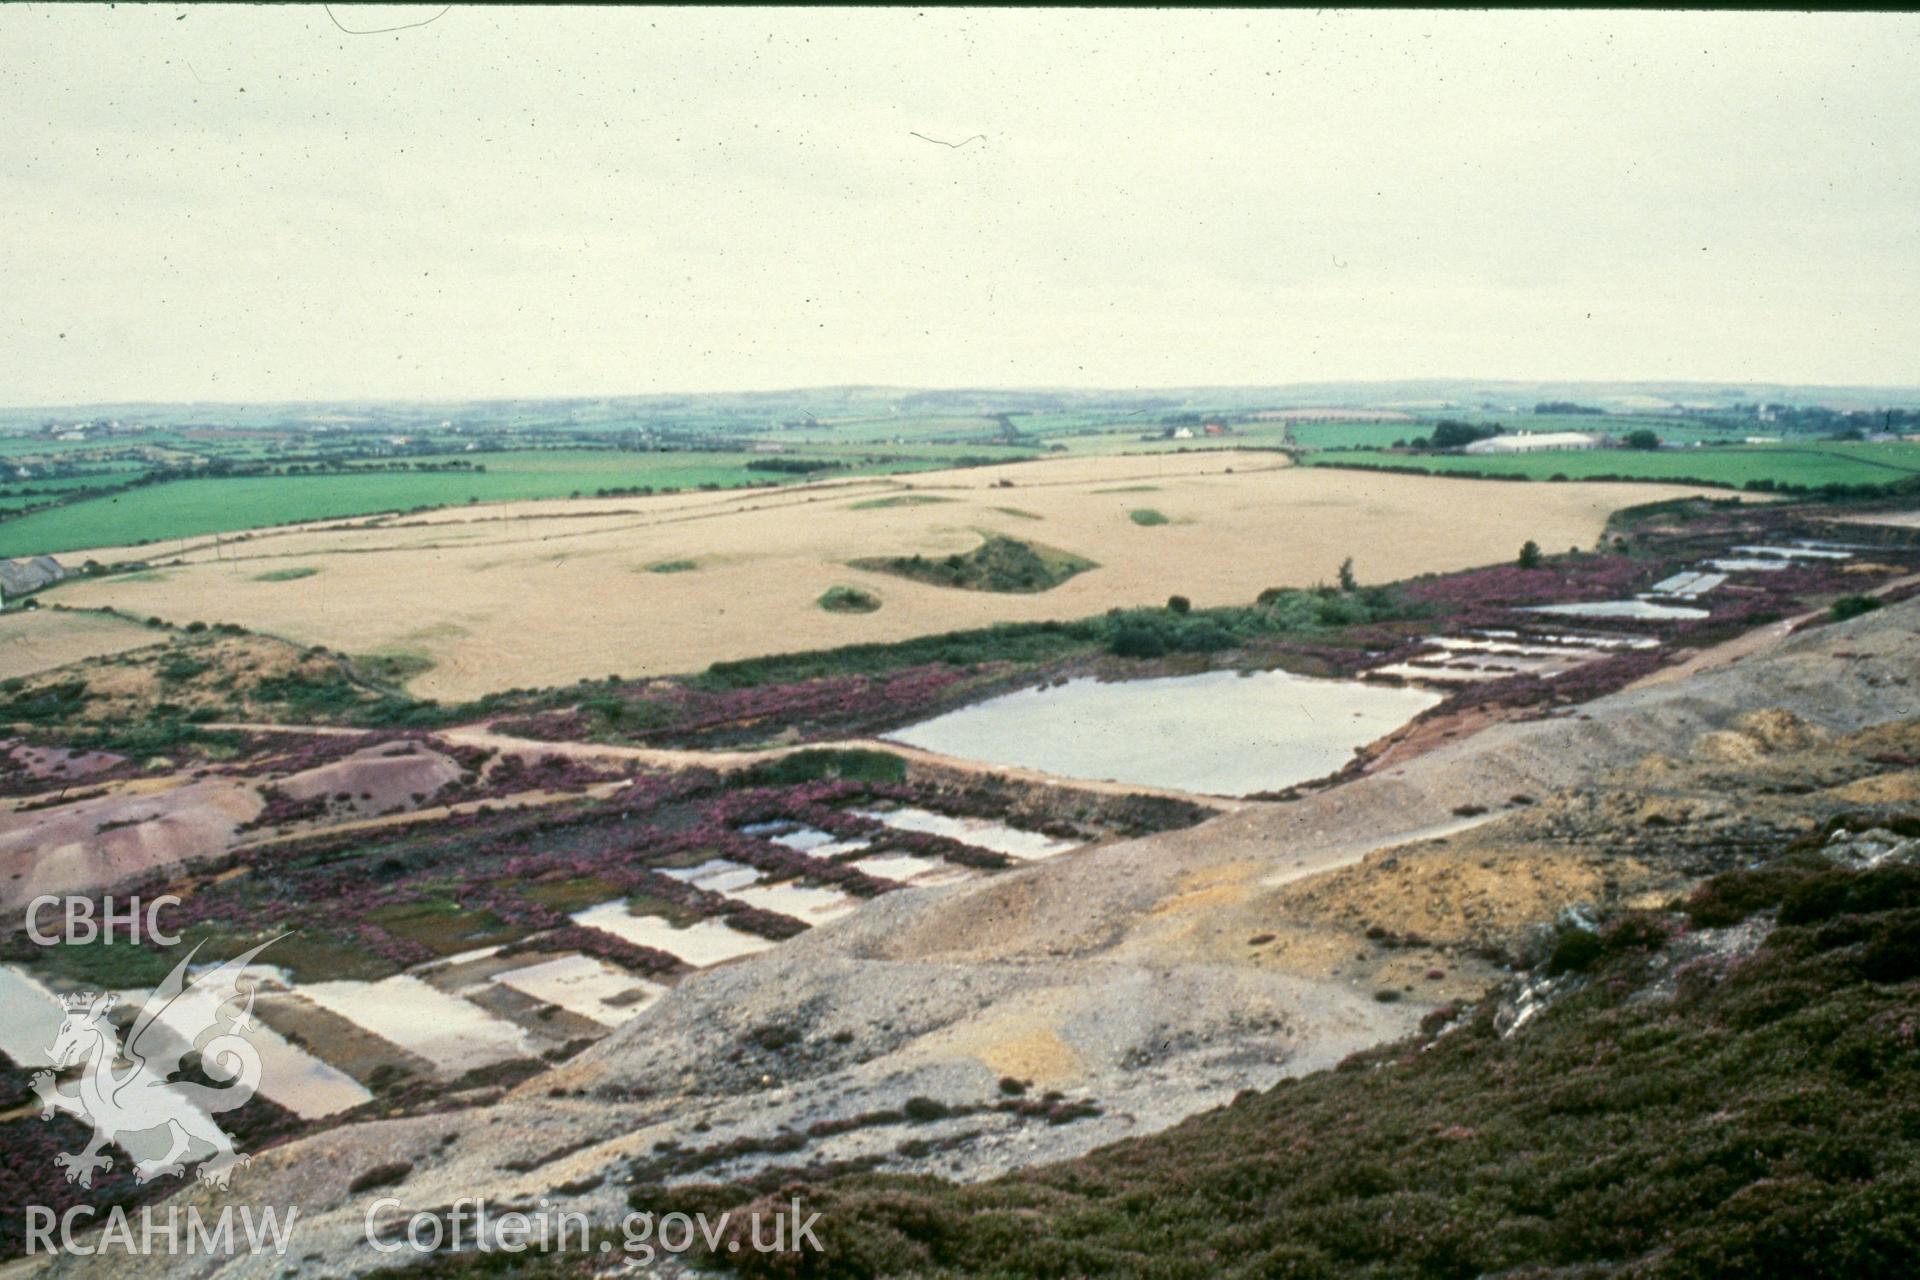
(716, 875)
(455, 1035)
(699, 944)
(1796, 553)
(982, 833)
(1513, 648)
(1219, 733)
(579, 984)
(1504, 664)
(804, 839)
(1748, 566)
(1687, 585)
(813, 904)
(1645, 610)
(1581, 641)
(30, 1018)
(289, 1075)
(912, 869)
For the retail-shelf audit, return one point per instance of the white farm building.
(1535, 442)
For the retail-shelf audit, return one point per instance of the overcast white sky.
(246, 203)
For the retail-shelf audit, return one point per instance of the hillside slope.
(1139, 983)
(1740, 1100)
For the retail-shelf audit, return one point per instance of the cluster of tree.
(1450, 433)
(1817, 419)
(1007, 431)
(1568, 406)
(795, 466)
(332, 466)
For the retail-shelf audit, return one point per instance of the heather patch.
(365, 903)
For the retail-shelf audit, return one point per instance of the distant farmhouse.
(1537, 441)
(18, 577)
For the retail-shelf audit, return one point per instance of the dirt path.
(730, 761)
(519, 800)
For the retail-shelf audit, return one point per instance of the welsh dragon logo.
(178, 1017)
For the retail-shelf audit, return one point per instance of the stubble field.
(34, 640)
(482, 598)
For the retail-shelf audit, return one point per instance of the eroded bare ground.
(1035, 1014)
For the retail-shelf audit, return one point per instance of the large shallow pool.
(1220, 733)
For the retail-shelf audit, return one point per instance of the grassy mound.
(1146, 517)
(285, 575)
(998, 564)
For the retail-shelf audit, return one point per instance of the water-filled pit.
(1218, 733)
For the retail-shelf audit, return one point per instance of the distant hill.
(828, 401)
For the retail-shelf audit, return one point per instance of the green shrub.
(858, 764)
(161, 736)
(1852, 607)
(1575, 950)
(50, 704)
(1728, 899)
(1823, 895)
(1135, 633)
(848, 600)
(310, 695)
(182, 666)
(1137, 638)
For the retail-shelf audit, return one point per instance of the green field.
(1243, 436)
(1356, 435)
(1808, 466)
(1381, 435)
(190, 508)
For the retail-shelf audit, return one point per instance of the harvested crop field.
(544, 593)
(37, 639)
